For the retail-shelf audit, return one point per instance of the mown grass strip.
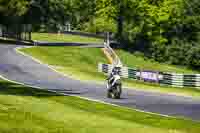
(52, 37)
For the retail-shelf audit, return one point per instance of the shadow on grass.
(8, 88)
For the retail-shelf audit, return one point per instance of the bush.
(139, 54)
(194, 57)
(177, 52)
(158, 52)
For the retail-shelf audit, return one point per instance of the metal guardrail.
(163, 78)
(19, 32)
(85, 34)
(1, 30)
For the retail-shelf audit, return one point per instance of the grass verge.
(139, 62)
(81, 63)
(52, 37)
(24, 109)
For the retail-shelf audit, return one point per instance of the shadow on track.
(68, 91)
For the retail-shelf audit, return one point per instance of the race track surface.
(23, 69)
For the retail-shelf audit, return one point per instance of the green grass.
(140, 62)
(76, 62)
(27, 110)
(82, 64)
(50, 37)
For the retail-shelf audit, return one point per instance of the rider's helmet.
(116, 70)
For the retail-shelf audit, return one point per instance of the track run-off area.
(23, 69)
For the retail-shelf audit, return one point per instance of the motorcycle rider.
(114, 83)
(115, 71)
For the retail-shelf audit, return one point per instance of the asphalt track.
(20, 68)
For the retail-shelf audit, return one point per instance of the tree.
(10, 11)
(13, 7)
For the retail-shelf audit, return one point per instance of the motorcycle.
(114, 87)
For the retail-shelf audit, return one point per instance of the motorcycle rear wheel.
(114, 93)
(118, 91)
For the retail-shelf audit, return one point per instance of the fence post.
(0, 30)
(157, 76)
(140, 74)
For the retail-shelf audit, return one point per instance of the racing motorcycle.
(114, 86)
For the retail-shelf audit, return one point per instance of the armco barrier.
(163, 78)
(100, 36)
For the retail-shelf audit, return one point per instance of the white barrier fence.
(164, 78)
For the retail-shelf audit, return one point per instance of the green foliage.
(194, 57)
(13, 7)
(12, 10)
(82, 12)
(157, 23)
(103, 17)
(177, 52)
(153, 20)
(102, 24)
(51, 13)
(161, 28)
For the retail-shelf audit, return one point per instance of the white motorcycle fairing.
(114, 87)
(116, 77)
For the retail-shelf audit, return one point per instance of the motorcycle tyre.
(114, 93)
(117, 92)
